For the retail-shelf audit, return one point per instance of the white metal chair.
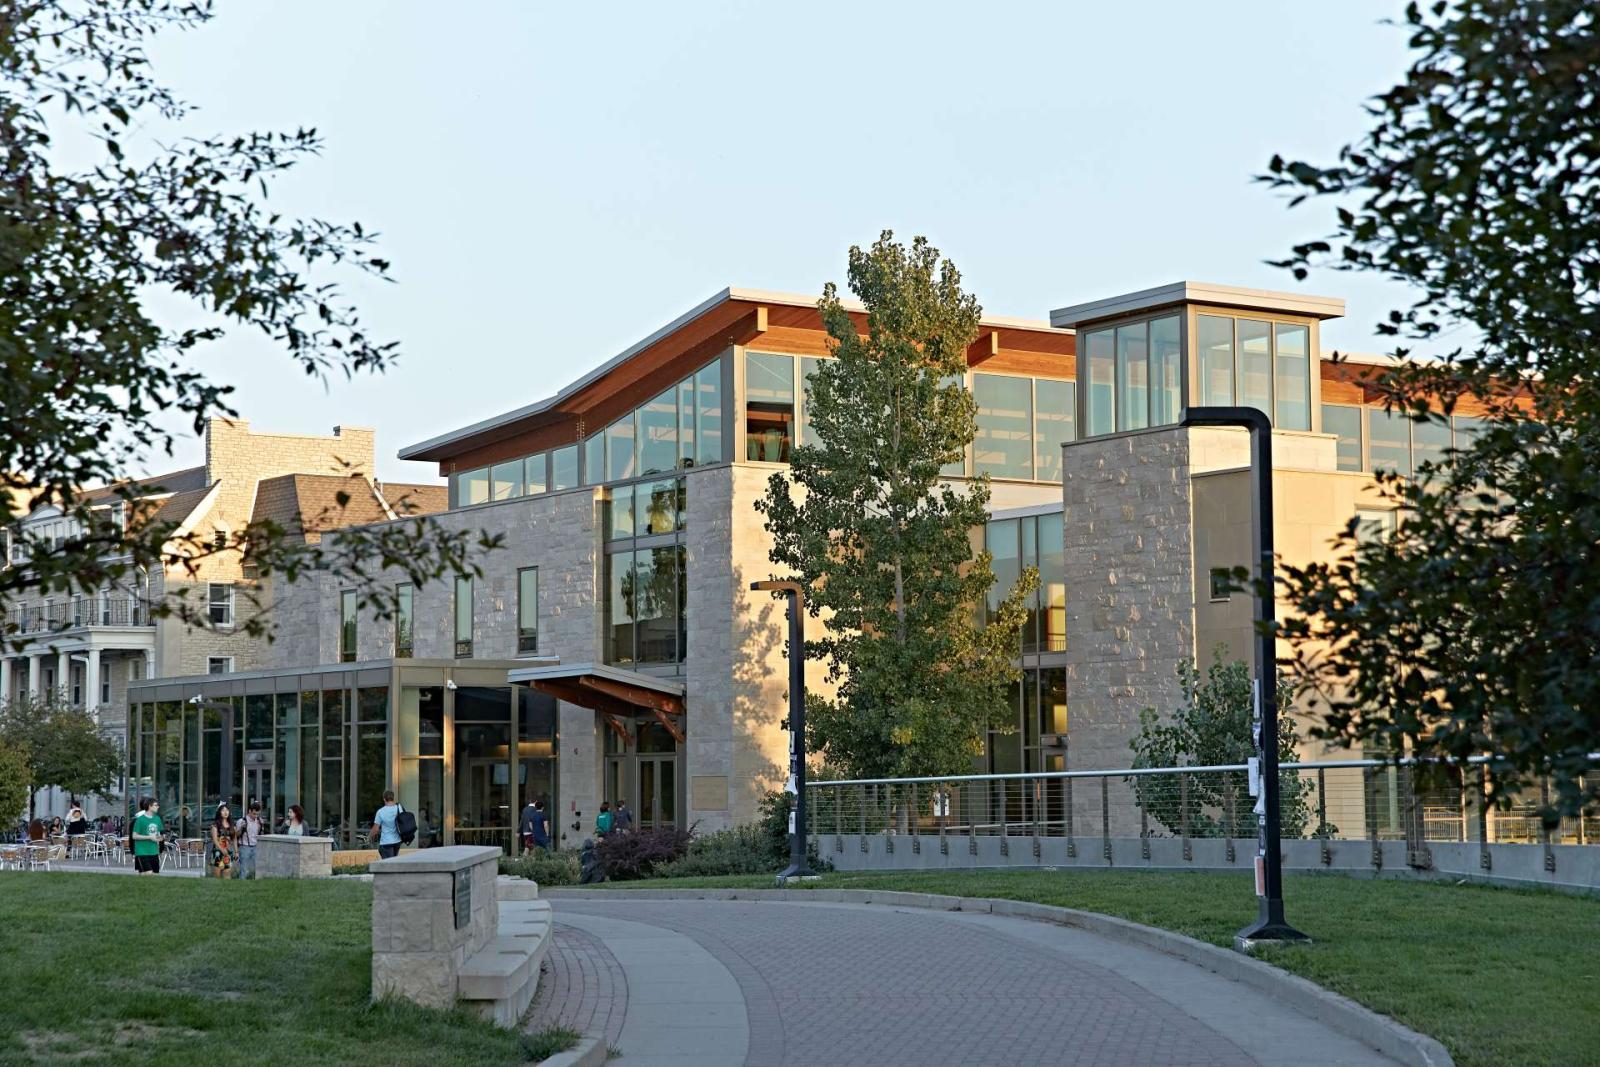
(13, 857)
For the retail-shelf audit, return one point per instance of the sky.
(554, 182)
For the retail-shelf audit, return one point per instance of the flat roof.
(421, 449)
(1320, 307)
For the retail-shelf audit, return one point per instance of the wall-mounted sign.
(461, 897)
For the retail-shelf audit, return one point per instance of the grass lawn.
(99, 969)
(1501, 976)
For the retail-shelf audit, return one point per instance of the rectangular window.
(594, 458)
(1430, 442)
(808, 367)
(620, 589)
(475, 487)
(214, 665)
(219, 603)
(528, 609)
(658, 507)
(1389, 441)
(619, 515)
(658, 434)
(1133, 377)
(1294, 377)
(1003, 446)
(1221, 585)
(1005, 551)
(619, 449)
(405, 597)
(1055, 421)
(1052, 583)
(347, 626)
(1100, 352)
(463, 612)
(1215, 344)
(1345, 421)
(769, 406)
(506, 480)
(708, 413)
(1373, 525)
(1255, 365)
(686, 422)
(534, 477)
(1166, 371)
(564, 467)
(1466, 430)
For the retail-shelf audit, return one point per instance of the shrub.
(761, 847)
(636, 854)
(544, 867)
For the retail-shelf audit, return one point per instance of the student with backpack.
(393, 826)
(603, 821)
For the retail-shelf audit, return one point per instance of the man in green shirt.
(146, 834)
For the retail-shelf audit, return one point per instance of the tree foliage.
(1212, 727)
(62, 745)
(87, 369)
(1476, 628)
(13, 780)
(882, 546)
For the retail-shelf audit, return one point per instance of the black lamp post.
(1270, 925)
(798, 867)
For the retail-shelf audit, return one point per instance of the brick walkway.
(842, 985)
(582, 988)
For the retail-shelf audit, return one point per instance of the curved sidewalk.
(769, 983)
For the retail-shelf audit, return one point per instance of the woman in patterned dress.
(222, 841)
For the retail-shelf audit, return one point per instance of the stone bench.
(286, 856)
(499, 981)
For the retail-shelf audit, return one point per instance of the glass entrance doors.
(644, 771)
(258, 783)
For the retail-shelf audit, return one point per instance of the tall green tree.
(14, 779)
(1476, 627)
(882, 545)
(61, 744)
(160, 210)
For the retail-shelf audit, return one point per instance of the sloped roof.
(407, 498)
(188, 480)
(179, 506)
(308, 504)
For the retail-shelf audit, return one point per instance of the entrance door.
(658, 790)
(644, 772)
(258, 785)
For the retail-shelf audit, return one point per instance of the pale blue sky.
(553, 183)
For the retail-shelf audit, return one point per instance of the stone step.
(510, 887)
(499, 980)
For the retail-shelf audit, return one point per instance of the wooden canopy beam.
(634, 694)
(671, 727)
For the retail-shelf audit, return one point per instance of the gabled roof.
(308, 504)
(177, 508)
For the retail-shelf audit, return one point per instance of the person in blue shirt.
(534, 826)
(384, 828)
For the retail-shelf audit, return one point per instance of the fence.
(1342, 814)
(102, 610)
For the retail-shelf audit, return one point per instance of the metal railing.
(1336, 800)
(112, 609)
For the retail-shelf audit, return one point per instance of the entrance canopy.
(611, 692)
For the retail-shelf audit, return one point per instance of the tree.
(14, 779)
(884, 547)
(63, 746)
(1476, 627)
(1212, 727)
(87, 369)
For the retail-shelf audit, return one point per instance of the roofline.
(616, 674)
(1321, 307)
(732, 293)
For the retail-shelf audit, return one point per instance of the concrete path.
(764, 984)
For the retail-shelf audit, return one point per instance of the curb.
(1333, 1009)
(588, 1052)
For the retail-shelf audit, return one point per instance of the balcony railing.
(119, 609)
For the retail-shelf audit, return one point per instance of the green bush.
(544, 867)
(760, 847)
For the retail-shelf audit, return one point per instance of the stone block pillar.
(431, 910)
(286, 856)
(36, 674)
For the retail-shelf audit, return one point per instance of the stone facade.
(285, 856)
(417, 948)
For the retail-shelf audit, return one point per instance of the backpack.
(405, 824)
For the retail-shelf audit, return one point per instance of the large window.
(645, 589)
(1135, 375)
(564, 467)
(1256, 363)
(1032, 541)
(1345, 421)
(1389, 441)
(681, 427)
(1055, 420)
(769, 406)
(528, 609)
(658, 433)
(463, 615)
(347, 626)
(1003, 446)
(505, 480)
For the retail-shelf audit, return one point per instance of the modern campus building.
(612, 648)
(88, 648)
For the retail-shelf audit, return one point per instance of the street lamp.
(1270, 925)
(798, 868)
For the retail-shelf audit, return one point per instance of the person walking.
(224, 837)
(297, 821)
(525, 825)
(147, 832)
(604, 821)
(385, 828)
(541, 826)
(624, 816)
(249, 837)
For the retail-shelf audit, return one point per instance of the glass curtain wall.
(1135, 375)
(484, 812)
(419, 738)
(645, 582)
(1256, 363)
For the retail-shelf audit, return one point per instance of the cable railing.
(1349, 800)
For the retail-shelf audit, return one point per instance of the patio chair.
(93, 845)
(193, 849)
(13, 857)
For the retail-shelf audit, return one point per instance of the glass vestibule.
(645, 770)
